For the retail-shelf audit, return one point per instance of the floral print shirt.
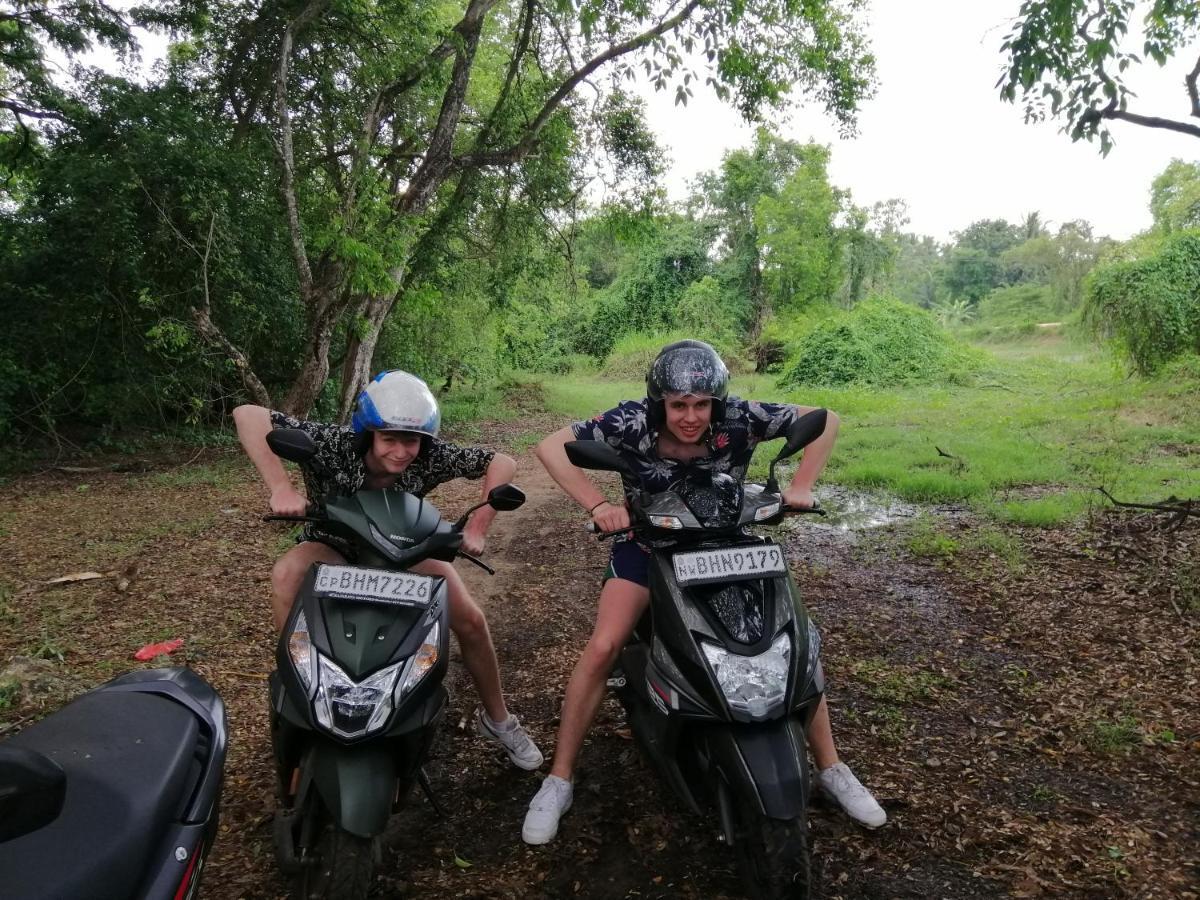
(731, 441)
(338, 468)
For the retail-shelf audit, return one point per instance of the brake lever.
(274, 518)
(478, 562)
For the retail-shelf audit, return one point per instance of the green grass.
(894, 684)
(1027, 441)
(1115, 736)
(222, 475)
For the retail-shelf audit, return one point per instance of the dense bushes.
(881, 342)
(1151, 305)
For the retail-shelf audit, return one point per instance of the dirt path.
(1030, 727)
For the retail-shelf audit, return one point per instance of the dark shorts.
(629, 561)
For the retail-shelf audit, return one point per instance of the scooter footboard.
(357, 784)
(765, 764)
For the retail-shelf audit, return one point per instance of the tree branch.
(1110, 112)
(284, 145)
(437, 160)
(20, 110)
(1193, 91)
(523, 147)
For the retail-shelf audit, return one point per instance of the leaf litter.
(1031, 730)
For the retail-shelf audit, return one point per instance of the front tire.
(772, 856)
(341, 866)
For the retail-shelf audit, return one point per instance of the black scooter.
(722, 675)
(357, 696)
(116, 795)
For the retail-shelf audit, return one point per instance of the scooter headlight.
(424, 659)
(353, 709)
(300, 649)
(752, 684)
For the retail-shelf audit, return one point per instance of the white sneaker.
(840, 784)
(513, 738)
(545, 809)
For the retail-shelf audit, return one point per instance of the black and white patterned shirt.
(338, 468)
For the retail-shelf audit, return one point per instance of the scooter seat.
(129, 759)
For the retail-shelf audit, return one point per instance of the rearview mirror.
(802, 432)
(597, 455)
(506, 497)
(292, 444)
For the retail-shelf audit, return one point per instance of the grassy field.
(1044, 425)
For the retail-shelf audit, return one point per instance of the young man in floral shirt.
(392, 443)
(687, 421)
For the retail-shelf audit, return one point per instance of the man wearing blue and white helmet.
(391, 442)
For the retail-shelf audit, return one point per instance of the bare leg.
(820, 737)
(621, 605)
(470, 626)
(289, 572)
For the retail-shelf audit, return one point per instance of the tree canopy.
(1068, 59)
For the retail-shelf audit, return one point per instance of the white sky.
(938, 136)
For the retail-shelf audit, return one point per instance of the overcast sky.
(937, 135)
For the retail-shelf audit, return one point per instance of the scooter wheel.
(341, 867)
(772, 856)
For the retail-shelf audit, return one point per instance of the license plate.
(731, 563)
(374, 585)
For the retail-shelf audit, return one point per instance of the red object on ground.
(152, 650)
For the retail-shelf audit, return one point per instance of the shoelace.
(549, 797)
(844, 784)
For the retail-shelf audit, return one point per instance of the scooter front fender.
(764, 764)
(357, 784)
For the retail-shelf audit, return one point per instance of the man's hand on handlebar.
(288, 502)
(610, 517)
(473, 543)
(798, 498)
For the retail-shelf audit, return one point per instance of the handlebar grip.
(814, 510)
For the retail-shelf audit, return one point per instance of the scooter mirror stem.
(462, 522)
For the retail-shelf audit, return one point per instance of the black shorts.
(630, 561)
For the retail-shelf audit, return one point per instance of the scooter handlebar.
(814, 510)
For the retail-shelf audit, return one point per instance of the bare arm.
(799, 491)
(253, 425)
(574, 481)
(499, 471)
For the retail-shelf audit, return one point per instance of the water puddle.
(848, 510)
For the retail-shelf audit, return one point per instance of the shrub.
(880, 342)
(1017, 306)
(1150, 305)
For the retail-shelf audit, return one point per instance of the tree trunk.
(356, 369)
(306, 388)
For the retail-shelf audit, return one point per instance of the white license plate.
(374, 585)
(732, 563)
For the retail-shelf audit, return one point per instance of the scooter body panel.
(143, 758)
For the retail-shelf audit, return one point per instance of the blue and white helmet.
(397, 401)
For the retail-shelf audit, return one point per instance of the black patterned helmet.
(686, 367)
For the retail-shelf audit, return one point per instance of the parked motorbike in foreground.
(357, 696)
(722, 675)
(116, 795)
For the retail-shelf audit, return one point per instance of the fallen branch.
(1179, 507)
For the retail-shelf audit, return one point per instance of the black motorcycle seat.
(129, 759)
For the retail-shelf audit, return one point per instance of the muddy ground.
(1025, 704)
